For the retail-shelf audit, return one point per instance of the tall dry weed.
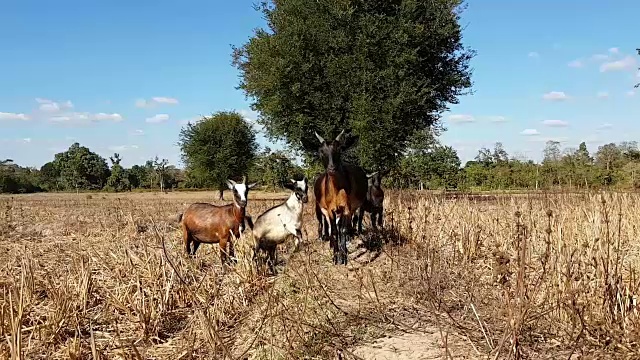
(513, 276)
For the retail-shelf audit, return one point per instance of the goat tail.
(180, 217)
(249, 221)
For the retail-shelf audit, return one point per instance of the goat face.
(375, 179)
(240, 191)
(330, 152)
(299, 188)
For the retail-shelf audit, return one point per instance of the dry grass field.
(104, 276)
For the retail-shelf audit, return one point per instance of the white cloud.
(108, 117)
(137, 132)
(84, 118)
(605, 126)
(631, 93)
(624, 64)
(600, 57)
(497, 119)
(13, 116)
(529, 132)
(252, 118)
(157, 100)
(555, 96)
(614, 50)
(249, 115)
(51, 106)
(555, 123)
(192, 120)
(122, 147)
(576, 64)
(164, 100)
(534, 54)
(26, 140)
(544, 139)
(603, 94)
(461, 118)
(158, 118)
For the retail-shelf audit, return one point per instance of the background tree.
(160, 169)
(49, 176)
(118, 180)
(15, 179)
(610, 161)
(273, 168)
(217, 148)
(382, 70)
(80, 168)
(138, 176)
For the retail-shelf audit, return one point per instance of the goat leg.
(298, 240)
(232, 253)
(360, 218)
(344, 234)
(272, 259)
(373, 215)
(195, 246)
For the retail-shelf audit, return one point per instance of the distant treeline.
(427, 165)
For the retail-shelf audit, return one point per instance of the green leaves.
(80, 168)
(217, 148)
(382, 70)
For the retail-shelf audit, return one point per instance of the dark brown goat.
(339, 191)
(375, 200)
(208, 223)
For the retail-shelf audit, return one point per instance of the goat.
(375, 200)
(339, 190)
(208, 223)
(280, 222)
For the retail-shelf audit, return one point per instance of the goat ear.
(231, 184)
(251, 186)
(289, 186)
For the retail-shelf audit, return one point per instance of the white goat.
(277, 224)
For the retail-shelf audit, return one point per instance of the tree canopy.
(217, 148)
(80, 168)
(382, 70)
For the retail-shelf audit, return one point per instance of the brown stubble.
(503, 276)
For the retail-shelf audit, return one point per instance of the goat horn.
(319, 137)
(371, 175)
(244, 179)
(339, 137)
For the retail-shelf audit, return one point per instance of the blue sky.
(123, 76)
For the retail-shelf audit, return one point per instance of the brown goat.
(339, 191)
(375, 200)
(208, 223)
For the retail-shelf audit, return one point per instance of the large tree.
(217, 148)
(118, 180)
(382, 70)
(80, 168)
